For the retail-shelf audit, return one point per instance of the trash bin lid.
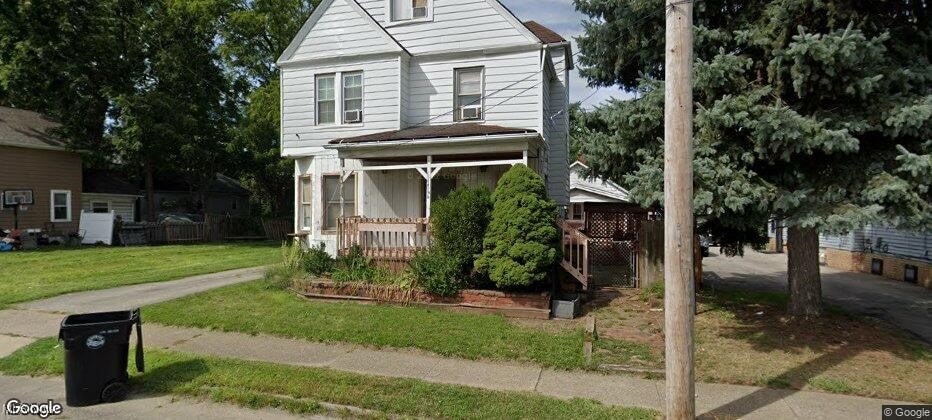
(98, 318)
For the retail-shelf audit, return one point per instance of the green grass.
(255, 308)
(302, 389)
(51, 272)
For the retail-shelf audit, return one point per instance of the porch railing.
(575, 252)
(392, 239)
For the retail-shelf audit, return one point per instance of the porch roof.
(430, 132)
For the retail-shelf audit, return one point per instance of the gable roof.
(435, 132)
(513, 19)
(32, 130)
(319, 12)
(543, 33)
(598, 186)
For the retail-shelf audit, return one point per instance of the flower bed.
(512, 304)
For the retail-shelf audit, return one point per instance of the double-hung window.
(402, 10)
(352, 98)
(468, 94)
(61, 206)
(331, 200)
(326, 99)
(306, 193)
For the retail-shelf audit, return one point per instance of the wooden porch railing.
(391, 239)
(575, 252)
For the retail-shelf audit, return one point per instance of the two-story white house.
(387, 105)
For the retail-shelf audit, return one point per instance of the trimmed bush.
(437, 272)
(520, 246)
(353, 267)
(459, 222)
(317, 261)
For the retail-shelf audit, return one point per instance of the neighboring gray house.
(892, 253)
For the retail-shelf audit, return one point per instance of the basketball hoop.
(23, 207)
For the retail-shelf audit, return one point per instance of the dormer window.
(407, 10)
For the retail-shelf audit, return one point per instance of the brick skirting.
(513, 304)
(893, 267)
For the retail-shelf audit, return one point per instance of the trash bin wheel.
(115, 391)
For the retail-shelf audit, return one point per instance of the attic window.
(406, 10)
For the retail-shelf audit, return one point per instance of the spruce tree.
(520, 245)
(815, 112)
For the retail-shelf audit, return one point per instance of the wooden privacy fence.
(384, 239)
(575, 252)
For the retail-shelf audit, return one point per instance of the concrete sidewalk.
(40, 390)
(717, 400)
(128, 297)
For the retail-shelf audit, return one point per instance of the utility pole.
(680, 298)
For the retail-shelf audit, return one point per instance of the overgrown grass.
(302, 389)
(256, 308)
(51, 272)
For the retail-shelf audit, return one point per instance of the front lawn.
(49, 272)
(302, 389)
(747, 338)
(255, 308)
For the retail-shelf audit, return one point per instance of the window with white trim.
(326, 98)
(352, 98)
(306, 194)
(332, 200)
(402, 10)
(100, 207)
(61, 206)
(467, 92)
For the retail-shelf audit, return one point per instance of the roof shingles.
(543, 33)
(21, 128)
(434, 132)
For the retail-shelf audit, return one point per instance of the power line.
(486, 96)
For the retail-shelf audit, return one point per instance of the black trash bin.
(96, 351)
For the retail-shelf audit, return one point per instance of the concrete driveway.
(905, 305)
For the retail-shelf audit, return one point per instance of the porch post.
(342, 177)
(524, 156)
(430, 160)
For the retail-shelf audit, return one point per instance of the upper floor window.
(352, 98)
(326, 99)
(468, 94)
(402, 10)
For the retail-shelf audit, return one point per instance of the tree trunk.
(150, 193)
(805, 284)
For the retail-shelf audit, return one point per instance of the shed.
(106, 191)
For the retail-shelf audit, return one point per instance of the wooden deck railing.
(575, 252)
(391, 239)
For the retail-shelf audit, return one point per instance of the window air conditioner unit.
(419, 12)
(471, 112)
(354, 116)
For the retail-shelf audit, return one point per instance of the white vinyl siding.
(326, 99)
(557, 122)
(123, 205)
(512, 89)
(452, 25)
(60, 206)
(380, 91)
(342, 31)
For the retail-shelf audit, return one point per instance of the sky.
(562, 17)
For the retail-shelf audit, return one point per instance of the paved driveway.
(905, 305)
